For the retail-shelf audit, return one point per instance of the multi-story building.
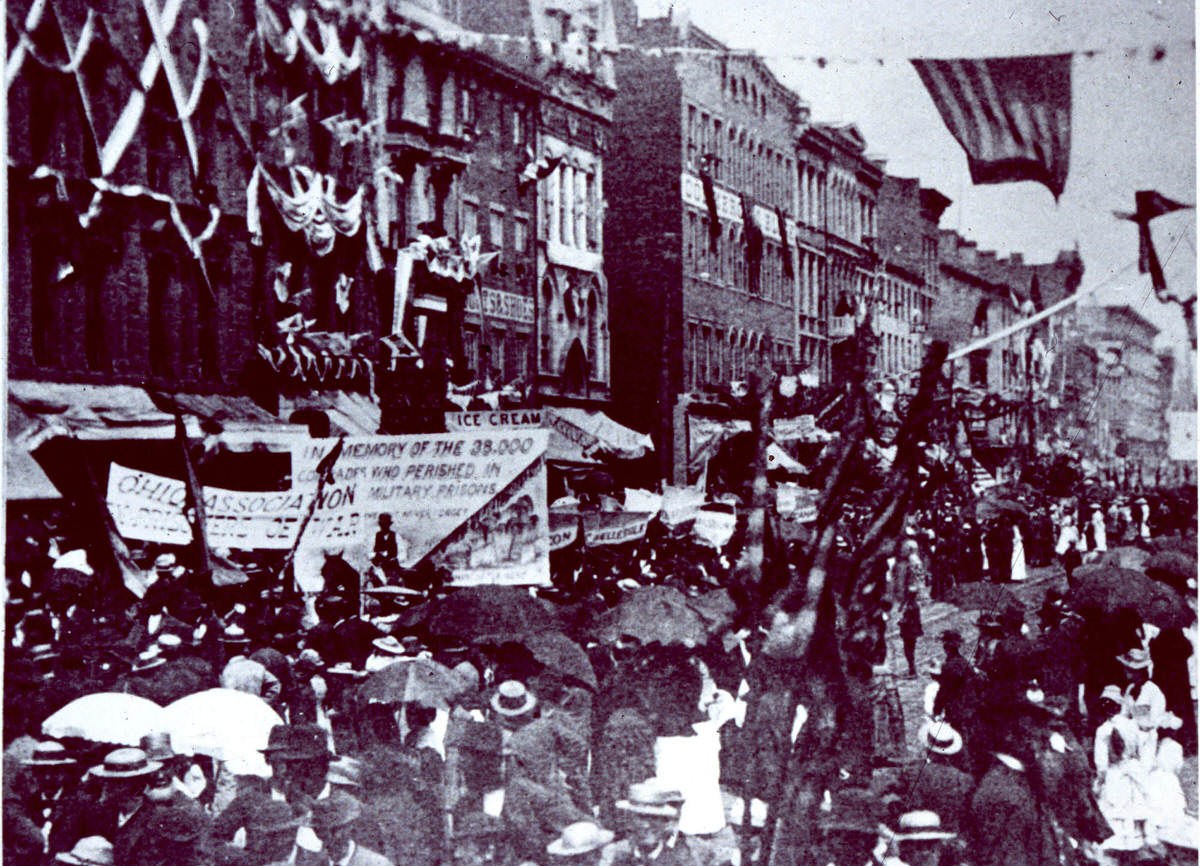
(838, 201)
(908, 274)
(1129, 397)
(702, 144)
(1013, 388)
(263, 223)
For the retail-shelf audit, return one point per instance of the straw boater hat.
(652, 797)
(49, 754)
(235, 634)
(939, 738)
(126, 764)
(579, 838)
(1135, 658)
(89, 851)
(149, 660)
(166, 562)
(1114, 694)
(921, 825)
(408, 646)
(513, 699)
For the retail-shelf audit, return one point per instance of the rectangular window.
(521, 235)
(447, 122)
(416, 101)
(719, 356)
(518, 126)
(496, 227)
(471, 346)
(470, 219)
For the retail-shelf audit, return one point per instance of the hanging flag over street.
(1012, 115)
(1150, 204)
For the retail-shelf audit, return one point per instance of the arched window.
(596, 334)
(575, 371)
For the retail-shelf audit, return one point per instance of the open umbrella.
(416, 681)
(1171, 567)
(716, 607)
(559, 653)
(654, 614)
(481, 612)
(107, 717)
(1185, 544)
(225, 724)
(991, 508)
(1109, 589)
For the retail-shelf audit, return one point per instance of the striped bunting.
(1012, 115)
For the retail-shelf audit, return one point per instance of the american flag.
(1012, 115)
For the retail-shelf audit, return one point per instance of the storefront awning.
(106, 413)
(349, 413)
(24, 479)
(581, 436)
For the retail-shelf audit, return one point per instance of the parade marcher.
(271, 827)
(938, 782)
(30, 800)
(244, 674)
(1123, 758)
(650, 812)
(478, 839)
(174, 835)
(1067, 548)
(115, 792)
(333, 822)
(921, 840)
(910, 629)
(1005, 823)
(956, 694)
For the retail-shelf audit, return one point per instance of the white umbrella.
(225, 724)
(107, 717)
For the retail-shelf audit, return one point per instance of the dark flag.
(754, 247)
(1012, 115)
(208, 564)
(536, 169)
(710, 202)
(785, 248)
(115, 555)
(324, 476)
(1150, 204)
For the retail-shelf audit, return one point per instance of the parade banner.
(490, 483)
(715, 524)
(564, 529)
(149, 507)
(614, 527)
(802, 428)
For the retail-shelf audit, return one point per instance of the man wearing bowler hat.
(175, 836)
(123, 779)
(333, 820)
(299, 758)
(271, 827)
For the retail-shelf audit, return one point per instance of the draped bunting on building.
(311, 207)
(754, 246)
(1012, 115)
(710, 202)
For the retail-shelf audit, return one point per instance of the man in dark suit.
(936, 783)
(123, 779)
(333, 821)
(1006, 825)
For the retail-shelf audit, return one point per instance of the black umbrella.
(478, 613)
(1110, 589)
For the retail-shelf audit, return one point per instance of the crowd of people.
(1050, 741)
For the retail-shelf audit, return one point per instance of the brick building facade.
(247, 201)
(691, 311)
(908, 219)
